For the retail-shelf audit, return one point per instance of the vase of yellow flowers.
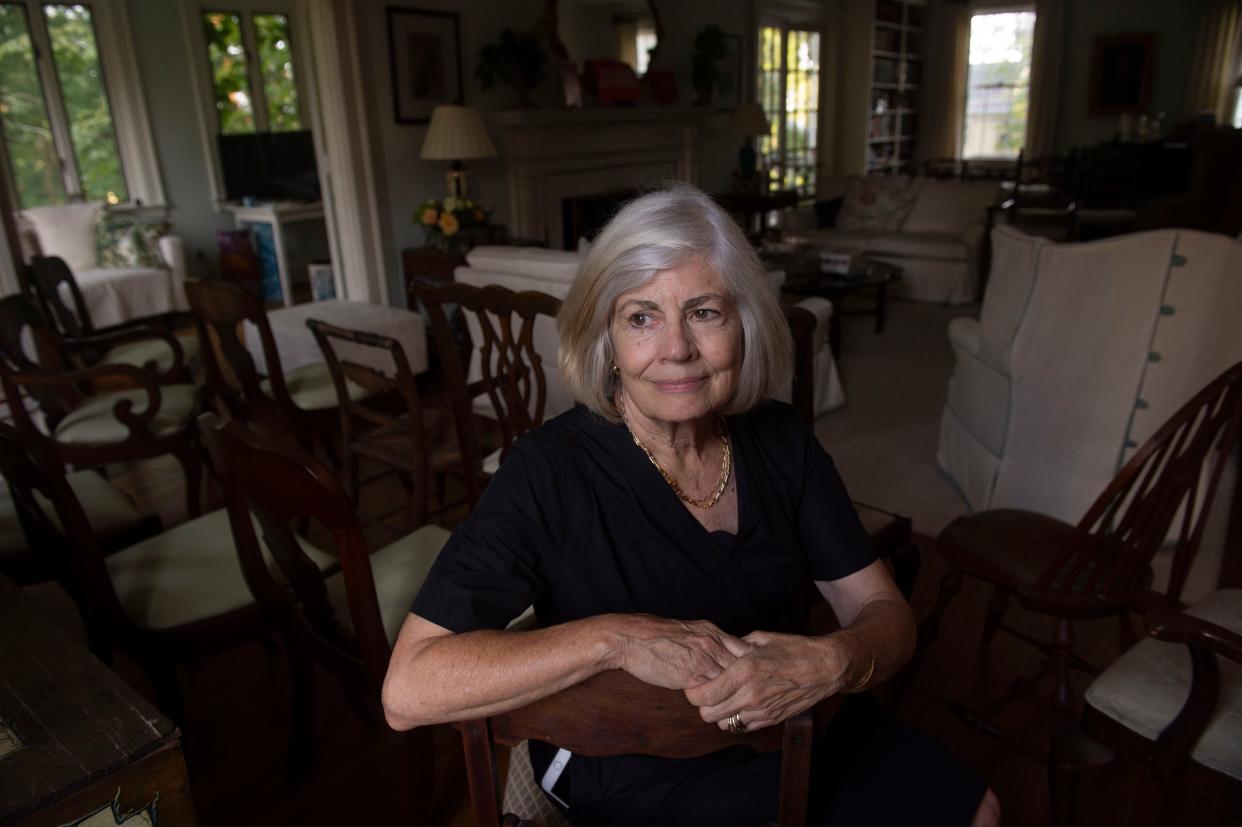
(454, 224)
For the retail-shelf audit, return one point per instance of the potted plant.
(514, 58)
(709, 48)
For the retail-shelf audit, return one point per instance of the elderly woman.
(662, 527)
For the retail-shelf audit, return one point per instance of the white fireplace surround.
(553, 155)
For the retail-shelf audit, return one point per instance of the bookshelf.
(896, 72)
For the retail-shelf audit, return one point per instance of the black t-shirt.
(578, 522)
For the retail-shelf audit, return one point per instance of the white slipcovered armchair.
(112, 294)
(1081, 352)
(552, 271)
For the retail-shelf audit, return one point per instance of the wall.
(160, 42)
(407, 180)
(1177, 25)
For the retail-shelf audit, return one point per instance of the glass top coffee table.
(803, 277)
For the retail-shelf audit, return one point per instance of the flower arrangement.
(453, 223)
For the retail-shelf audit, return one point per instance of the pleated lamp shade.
(457, 133)
(748, 119)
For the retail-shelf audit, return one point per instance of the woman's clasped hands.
(764, 677)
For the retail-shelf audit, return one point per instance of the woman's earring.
(616, 371)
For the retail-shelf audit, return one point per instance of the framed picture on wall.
(1121, 72)
(424, 53)
(727, 93)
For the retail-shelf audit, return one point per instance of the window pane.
(229, 80)
(23, 116)
(768, 93)
(86, 103)
(998, 84)
(271, 33)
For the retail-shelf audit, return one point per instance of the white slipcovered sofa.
(112, 294)
(931, 228)
(1081, 352)
(552, 271)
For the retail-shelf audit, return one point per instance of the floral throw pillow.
(876, 203)
(128, 241)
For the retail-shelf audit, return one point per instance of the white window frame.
(1013, 7)
(115, 46)
(777, 17)
(208, 118)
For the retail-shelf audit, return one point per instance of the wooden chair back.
(614, 713)
(280, 486)
(29, 350)
(512, 371)
(802, 328)
(49, 274)
(221, 310)
(393, 408)
(1173, 476)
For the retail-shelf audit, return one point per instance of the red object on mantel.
(611, 81)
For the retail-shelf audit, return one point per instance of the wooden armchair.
(1102, 566)
(165, 355)
(91, 429)
(1170, 704)
(169, 599)
(511, 388)
(391, 425)
(301, 403)
(346, 622)
(614, 713)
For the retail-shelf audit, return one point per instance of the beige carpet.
(884, 439)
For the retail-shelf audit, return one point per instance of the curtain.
(944, 101)
(1215, 74)
(1045, 97)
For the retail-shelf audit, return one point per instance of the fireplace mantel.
(555, 154)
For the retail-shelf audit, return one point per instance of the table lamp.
(749, 121)
(457, 133)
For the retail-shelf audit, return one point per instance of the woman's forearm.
(883, 629)
(452, 677)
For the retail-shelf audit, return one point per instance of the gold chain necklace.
(725, 467)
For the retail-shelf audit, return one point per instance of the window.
(252, 75)
(55, 113)
(998, 84)
(788, 90)
(1237, 106)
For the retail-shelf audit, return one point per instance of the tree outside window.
(260, 97)
(48, 166)
(787, 86)
(998, 85)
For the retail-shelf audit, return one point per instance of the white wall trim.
(135, 140)
(196, 52)
(349, 176)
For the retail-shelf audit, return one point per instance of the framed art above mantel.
(424, 53)
(1122, 66)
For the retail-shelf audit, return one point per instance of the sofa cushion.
(937, 246)
(535, 262)
(118, 294)
(125, 240)
(68, 231)
(874, 204)
(950, 206)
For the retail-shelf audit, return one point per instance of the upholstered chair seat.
(1148, 685)
(143, 352)
(311, 388)
(188, 573)
(399, 570)
(93, 422)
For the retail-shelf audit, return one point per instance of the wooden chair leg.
(1063, 651)
(192, 466)
(164, 680)
(302, 721)
(420, 766)
(1073, 758)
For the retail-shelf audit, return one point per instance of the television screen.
(271, 166)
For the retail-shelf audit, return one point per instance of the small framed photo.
(728, 91)
(1121, 73)
(424, 53)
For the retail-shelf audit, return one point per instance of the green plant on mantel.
(514, 58)
(709, 48)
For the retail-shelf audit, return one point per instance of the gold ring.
(736, 725)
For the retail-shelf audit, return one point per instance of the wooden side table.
(74, 738)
